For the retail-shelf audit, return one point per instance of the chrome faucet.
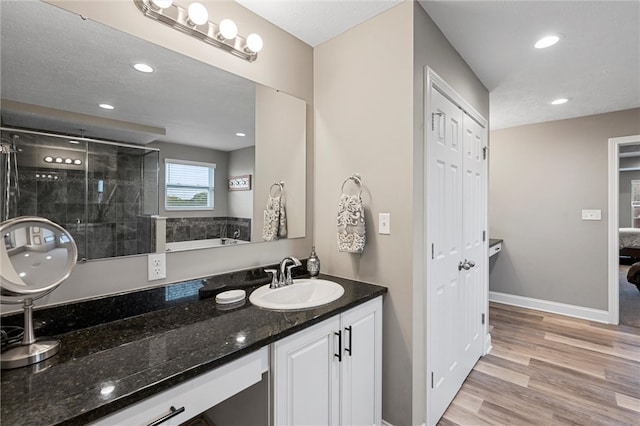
(285, 277)
(282, 277)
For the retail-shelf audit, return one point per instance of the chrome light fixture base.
(177, 17)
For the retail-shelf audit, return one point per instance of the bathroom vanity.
(184, 355)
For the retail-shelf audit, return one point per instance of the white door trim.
(614, 215)
(431, 79)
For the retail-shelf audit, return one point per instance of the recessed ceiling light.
(240, 134)
(559, 101)
(546, 42)
(143, 68)
(48, 159)
(59, 160)
(106, 106)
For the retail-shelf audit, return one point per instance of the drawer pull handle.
(174, 412)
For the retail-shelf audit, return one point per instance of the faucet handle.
(274, 277)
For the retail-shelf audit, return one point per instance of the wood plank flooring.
(547, 369)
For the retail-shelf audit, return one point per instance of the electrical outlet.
(157, 266)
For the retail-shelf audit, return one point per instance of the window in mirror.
(189, 185)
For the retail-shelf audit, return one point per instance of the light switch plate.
(384, 223)
(591, 214)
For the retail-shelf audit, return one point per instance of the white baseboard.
(548, 306)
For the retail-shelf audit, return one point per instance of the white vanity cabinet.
(330, 373)
(186, 400)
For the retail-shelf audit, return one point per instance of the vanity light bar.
(179, 18)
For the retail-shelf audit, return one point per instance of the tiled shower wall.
(201, 228)
(105, 223)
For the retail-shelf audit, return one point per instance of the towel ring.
(357, 179)
(279, 185)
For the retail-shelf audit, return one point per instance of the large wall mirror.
(182, 160)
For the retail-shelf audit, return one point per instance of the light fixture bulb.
(559, 101)
(59, 160)
(143, 68)
(240, 134)
(77, 162)
(254, 43)
(74, 142)
(106, 106)
(161, 4)
(228, 29)
(546, 42)
(68, 161)
(197, 13)
(48, 159)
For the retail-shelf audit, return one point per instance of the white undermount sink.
(302, 294)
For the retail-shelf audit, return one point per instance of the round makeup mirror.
(36, 256)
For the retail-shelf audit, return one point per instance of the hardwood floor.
(547, 369)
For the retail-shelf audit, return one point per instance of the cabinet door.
(361, 366)
(306, 374)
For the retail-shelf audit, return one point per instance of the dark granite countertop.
(148, 352)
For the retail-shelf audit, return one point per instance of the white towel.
(275, 220)
(351, 230)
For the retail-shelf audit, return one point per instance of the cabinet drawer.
(495, 249)
(196, 395)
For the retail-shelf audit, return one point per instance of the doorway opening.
(618, 222)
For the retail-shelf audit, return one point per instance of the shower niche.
(103, 193)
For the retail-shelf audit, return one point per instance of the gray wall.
(369, 116)
(541, 177)
(624, 196)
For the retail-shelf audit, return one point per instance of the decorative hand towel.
(275, 218)
(351, 229)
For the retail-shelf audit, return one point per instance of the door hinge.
(482, 319)
(433, 115)
(484, 152)
(432, 380)
(484, 236)
(433, 250)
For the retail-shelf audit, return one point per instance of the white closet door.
(473, 246)
(454, 209)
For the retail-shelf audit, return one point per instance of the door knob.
(466, 265)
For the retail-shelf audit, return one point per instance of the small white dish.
(231, 296)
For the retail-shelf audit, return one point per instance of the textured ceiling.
(596, 64)
(316, 21)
